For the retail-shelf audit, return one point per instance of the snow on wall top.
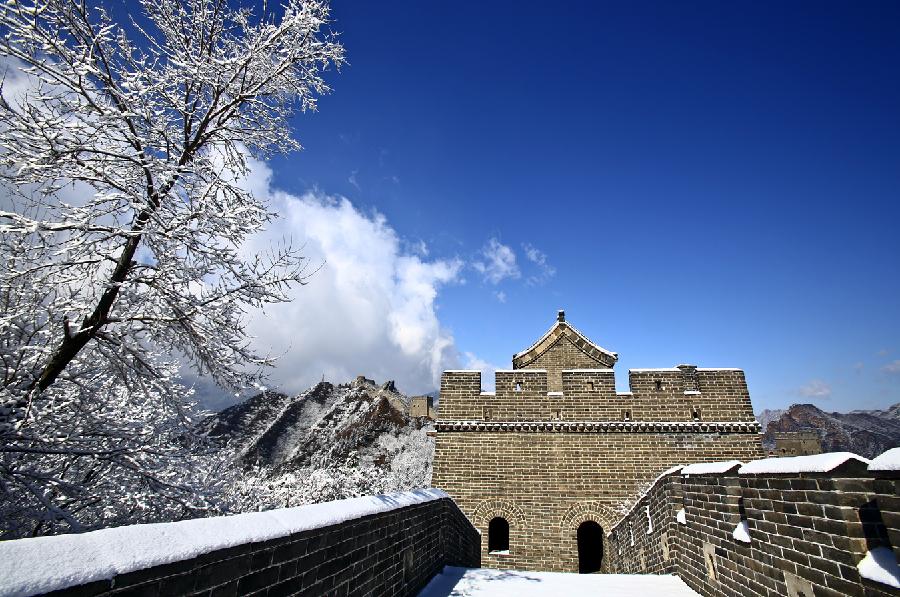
(817, 463)
(642, 494)
(710, 468)
(888, 461)
(46, 564)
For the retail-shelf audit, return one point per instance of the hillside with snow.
(864, 432)
(329, 442)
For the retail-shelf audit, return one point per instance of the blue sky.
(704, 182)
(714, 183)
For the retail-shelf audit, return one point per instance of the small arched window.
(498, 535)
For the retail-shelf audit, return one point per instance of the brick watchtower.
(546, 462)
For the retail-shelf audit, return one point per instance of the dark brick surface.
(392, 553)
(817, 532)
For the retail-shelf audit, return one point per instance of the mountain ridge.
(331, 441)
(864, 432)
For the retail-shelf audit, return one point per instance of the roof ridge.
(565, 327)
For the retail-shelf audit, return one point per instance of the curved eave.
(559, 330)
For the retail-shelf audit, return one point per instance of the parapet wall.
(685, 393)
(804, 526)
(376, 545)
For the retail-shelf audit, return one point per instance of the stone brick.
(401, 551)
(555, 446)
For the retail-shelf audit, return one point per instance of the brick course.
(390, 553)
(555, 445)
(808, 532)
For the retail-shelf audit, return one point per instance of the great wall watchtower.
(555, 452)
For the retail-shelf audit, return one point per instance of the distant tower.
(422, 406)
(797, 443)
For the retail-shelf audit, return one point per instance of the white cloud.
(419, 248)
(371, 309)
(500, 296)
(16, 83)
(497, 262)
(352, 180)
(539, 259)
(488, 370)
(815, 389)
(893, 367)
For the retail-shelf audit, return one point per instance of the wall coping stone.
(816, 463)
(678, 469)
(888, 461)
(603, 426)
(44, 564)
(711, 468)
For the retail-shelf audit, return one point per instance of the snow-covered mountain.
(329, 442)
(864, 432)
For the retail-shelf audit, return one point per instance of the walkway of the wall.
(376, 545)
(824, 525)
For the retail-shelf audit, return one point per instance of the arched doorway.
(498, 535)
(590, 547)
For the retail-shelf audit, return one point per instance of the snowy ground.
(477, 582)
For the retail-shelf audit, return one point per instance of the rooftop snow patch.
(888, 461)
(711, 468)
(817, 463)
(880, 565)
(45, 564)
(521, 370)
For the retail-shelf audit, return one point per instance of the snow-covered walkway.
(477, 582)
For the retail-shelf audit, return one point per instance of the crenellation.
(590, 395)
(557, 442)
(810, 539)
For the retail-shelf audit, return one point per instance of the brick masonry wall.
(808, 532)
(563, 354)
(390, 553)
(590, 395)
(545, 484)
(647, 543)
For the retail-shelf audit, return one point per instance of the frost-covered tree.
(122, 148)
